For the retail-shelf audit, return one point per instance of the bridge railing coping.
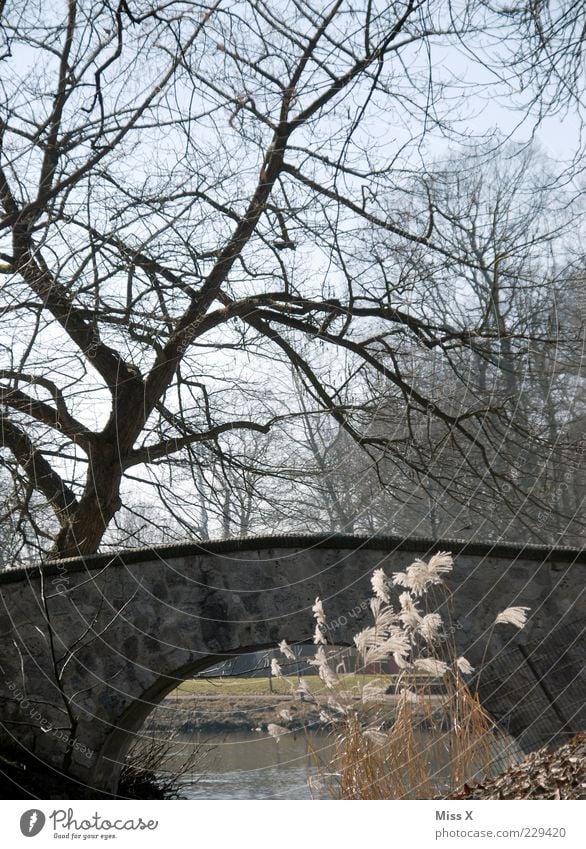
(95, 562)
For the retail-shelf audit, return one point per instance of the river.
(254, 765)
(249, 765)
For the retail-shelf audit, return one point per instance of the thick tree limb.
(41, 475)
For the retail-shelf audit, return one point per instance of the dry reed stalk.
(402, 763)
(474, 740)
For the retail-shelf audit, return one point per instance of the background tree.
(508, 216)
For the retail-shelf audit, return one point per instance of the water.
(254, 765)
(248, 765)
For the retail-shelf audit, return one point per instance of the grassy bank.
(285, 687)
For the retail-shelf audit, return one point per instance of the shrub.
(155, 769)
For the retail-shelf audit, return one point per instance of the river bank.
(560, 774)
(236, 712)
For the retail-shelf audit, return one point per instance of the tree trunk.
(99, 503)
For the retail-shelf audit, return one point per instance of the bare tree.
(518, 228)
(543, 54)
(184, 190)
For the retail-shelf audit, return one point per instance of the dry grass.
(432, 746)
(427, 751)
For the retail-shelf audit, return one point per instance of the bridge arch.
(125, 628)
(122, 735)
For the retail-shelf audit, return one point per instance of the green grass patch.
(260, 686)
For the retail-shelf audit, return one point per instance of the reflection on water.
(266, 783)
(244, 765)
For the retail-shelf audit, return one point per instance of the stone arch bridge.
(89, 646)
